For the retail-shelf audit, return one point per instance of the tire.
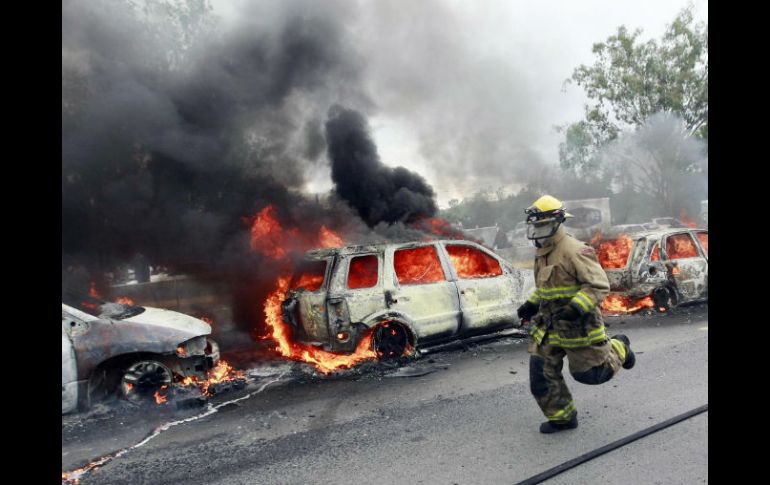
(664, 297)
(143, 379)
(390, 341)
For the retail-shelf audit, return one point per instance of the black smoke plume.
(170, 144)
(377, 192)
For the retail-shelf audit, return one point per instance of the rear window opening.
(309, 275)
(469, 262)
(418, 266)
(363, 272)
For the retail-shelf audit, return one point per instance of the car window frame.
(664, 244)
(380, 271)
(444, 245)
(442, 264)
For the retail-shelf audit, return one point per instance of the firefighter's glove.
(567, 312)
(527, 310)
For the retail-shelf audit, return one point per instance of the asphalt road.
(469, 419)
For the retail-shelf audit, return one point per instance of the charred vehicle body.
(134, 352)
(668, 265)
(413, 295)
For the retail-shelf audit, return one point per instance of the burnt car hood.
(158, 317)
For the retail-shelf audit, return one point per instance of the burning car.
(132, 351)
(656, 269)
(405, 295)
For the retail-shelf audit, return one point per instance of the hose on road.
(552, 472)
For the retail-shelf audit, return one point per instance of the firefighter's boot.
(553, 427)
(630, 357)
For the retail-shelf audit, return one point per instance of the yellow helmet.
(544, 217)
(547, 203)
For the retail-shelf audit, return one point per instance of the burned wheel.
(664, 298)
(390, 341)
(144, 379)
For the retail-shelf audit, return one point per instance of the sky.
(468, 93)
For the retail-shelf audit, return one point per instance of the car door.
(486, 291)
(420, 289)
(690, 267)
(355, 293)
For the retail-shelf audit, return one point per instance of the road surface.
(468, 419)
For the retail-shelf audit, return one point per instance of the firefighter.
(566, 319)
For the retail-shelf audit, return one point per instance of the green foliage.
(632, 80)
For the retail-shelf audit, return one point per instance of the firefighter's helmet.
(544, 217)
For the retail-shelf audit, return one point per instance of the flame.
(471, 263)
(363, 272)
(597, 237)
(437, 226)
(655, 256)
(222, 372)
(267, 235)
(207, 319)
(309, 281)
(703, 237)
(124, 300)
(686, 220)
(160, 399)
(271, 239)
(681, 246)
(325, 362)
(92, 292)
(329, 239)
(418, 265)
(626, 304)
(89, 305)
(613, 254)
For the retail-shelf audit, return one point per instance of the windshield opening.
(99, 308)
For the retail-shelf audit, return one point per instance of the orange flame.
(703, 237)
(625, 304)
(222, 372)
(470, 263)
(271, 239)
(686, 220)
(124, 300)
(274, 241)
(92, 292)
(267, 235)
(613, 254)
(680, 246)
(329, 239)
(325, 362)
(160, 399)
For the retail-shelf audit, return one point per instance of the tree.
(662, 161)
(632, 80)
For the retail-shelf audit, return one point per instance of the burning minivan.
(405, 295)
(655, 269)
(135, 352)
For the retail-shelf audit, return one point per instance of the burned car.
(667, 267)
(414, 295)
(134, 352)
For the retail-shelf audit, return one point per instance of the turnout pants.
(594, 364)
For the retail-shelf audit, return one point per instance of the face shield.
(542, 225)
